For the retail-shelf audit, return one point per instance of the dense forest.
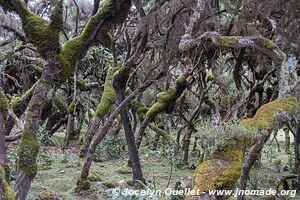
(149, 99)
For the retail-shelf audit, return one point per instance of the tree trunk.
(287, 141)
(71, 116)
(29, 144)
(120, 86)
(186, 145)
(82, 182)
(297, 156)
(89, 136)
(252, 156)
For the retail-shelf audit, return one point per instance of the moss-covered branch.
(260, 43)
(19, 104)
(167, 136)
(3, 104)
(166, 100)
(222, 170)
(96, 31)
(107, 100)
(86, 86)
(109, 95)
(266, 116)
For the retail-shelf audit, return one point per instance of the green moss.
(3, 104)
(19, 104)
(36, 28)
(221, 171)
(82, 184)
(270, 45)
(8, 191)
(165, 99)
(229, 41)
(28, 150)
(71, 51)
(167, 136)
(95, 176)
(59, 103)
(124, 169)
(71, 107)
(225, 102)
(109, 95)
(264, 117)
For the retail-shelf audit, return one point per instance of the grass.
(58, 172)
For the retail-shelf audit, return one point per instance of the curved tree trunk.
(29, 145)
(120, 86)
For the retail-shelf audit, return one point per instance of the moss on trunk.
(9, 193)
(3, 104)
(166, 100)
(222, 170)
(109, 95)
(265, 115)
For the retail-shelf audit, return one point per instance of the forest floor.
(59, 171)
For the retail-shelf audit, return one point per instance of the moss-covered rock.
(47, 195)
(265, 115)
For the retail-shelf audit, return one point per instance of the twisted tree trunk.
(29, 145)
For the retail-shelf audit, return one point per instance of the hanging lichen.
(264, 117)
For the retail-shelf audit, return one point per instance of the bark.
(89, 136)
(71, 116)
(186, 144)
(287, 141)
(120, 86)
(297, 156)
(29, 145)
(99, 136)
(252, 156)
